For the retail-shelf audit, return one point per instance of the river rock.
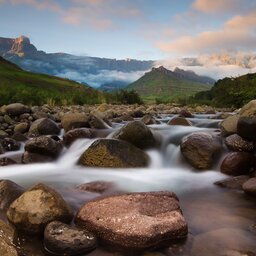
(148, 120)
(248, 110)
(62, 239)
(74, 120)
(17, 109)
(200, 148)
(185, 113)
(6, 161)
(113, 153)
(237, 163)
(97, 123)
(38, 206)
(246, 128)
(136, 133)
(21, 127)
(32, 158)
(44, 145)
(99, 187)
(135, 221)
(229, 125)
(233, 182)
(237, 143)
(250, 186)
(9, 191)
(179, 121)
(1, 149)
(79, 133)
(44, 126)
(10, 144)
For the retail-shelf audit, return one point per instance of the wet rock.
(7, 237)
(6, 161)
(233, 182)
(10, 144)
(9, 191)
(237, 163)
(246, 128)
(113, 153)
(136, 133)
(99, 187)
(138, 113)
(200, 148)
(126, 118)
(148, 120)
(250, 186)
(3, 134)
(185, 113)
(17, 109)
(179, 121)
(74, 120)
(44, 126)
(79, 133)
(97, 123)
(62, 239)
(19, 137)
(8, 120)
(21, 127)
(134, 221)
(229, 125)
(35, 208)
(248, 110)
(236, 143)
(30, 158)
(43, 145)
(1, 149)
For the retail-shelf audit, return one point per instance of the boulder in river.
(38, 206)
(200, 148)
(135, 221)
(97, 123)
(16, 109)
(246, 128)
(78, 133)
(250, 186)
(99, 187)
(113, 153)
(136, 133)
(148, 120)
(43, 126)
(179, 121)
(74, 120)
(229, 125)
(62, 239)
(237, 143)
(233, 182)
(32, 158)
(237, 163)
(10, 144)
(248, 110)
(185, 113)
(21, 127)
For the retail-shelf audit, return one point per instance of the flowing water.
(221, 221)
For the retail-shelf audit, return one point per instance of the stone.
(78, 133)
(74, 120)
(246, 128)
(10, 144)
(5, 161)
(248, 110)
(135, 221)
(9, 191)
(148, 120)
(43, 126)
(185, 113)
(62, 239)
(35, 208)
(136, 133)
(229, 125)
(233, 182)
(3, 134)
(250, 186)
(21, 127)
(44, 145)
(1, 149)
(99, 187)
(32, 158)
(17, 109)
(97, 123)
(200, 149)
(237, 143)
(179, 121)
(237, 163)
(114, 154)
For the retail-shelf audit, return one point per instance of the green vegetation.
(124, 97)
(17, 85)
(229, 92)
(160, 87)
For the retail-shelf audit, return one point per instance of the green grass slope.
(165, 87)
(17, 85)
(229, 92)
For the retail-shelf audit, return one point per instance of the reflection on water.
(220, 221)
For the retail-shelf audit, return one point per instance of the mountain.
(165, 84)
(84, 69)
(229, 92)
(17, 85)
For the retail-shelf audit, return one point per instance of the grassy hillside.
(229, 92)
(156, 85)
(17, 85)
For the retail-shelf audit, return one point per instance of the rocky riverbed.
(127, 180)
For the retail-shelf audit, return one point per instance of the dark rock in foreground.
(113, 153)
(246, 128)
(236, 143)
(233, 182)
(44, 126)
(200, 148)
(250, 186)
(135, 221)
(62, 239)
(79, 133)
(35, 208)
(17, 109)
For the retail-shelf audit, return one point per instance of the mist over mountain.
(84, 69)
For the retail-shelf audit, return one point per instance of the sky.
(140, 29)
